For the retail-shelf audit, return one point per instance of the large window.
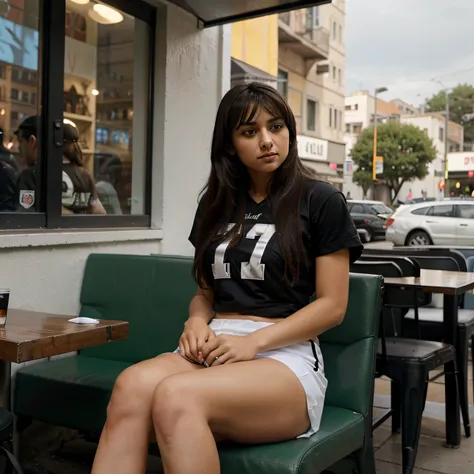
(311, 109)
(77, 126)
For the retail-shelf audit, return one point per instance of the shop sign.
(461, 161)
(310, 148)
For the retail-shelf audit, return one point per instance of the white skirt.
(305, 360)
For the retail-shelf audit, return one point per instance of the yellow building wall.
(255, 42)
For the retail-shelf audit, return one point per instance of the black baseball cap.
(29, 126)
(70, 133)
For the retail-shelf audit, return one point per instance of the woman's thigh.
(258, 401)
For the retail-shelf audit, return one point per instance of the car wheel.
(418, 238)
(368, 236)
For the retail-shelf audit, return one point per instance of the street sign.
(379, 165)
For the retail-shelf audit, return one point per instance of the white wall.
(189, 83)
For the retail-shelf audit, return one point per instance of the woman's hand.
(196, 333)
(226, 349)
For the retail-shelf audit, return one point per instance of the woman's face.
(263, 144)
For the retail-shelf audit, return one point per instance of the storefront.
(141, 81)
(461, 174)
(315, 154)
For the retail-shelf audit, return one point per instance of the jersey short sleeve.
(332, 227)
(197, 219)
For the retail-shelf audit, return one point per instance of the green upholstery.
(341, 433)
(153, 293)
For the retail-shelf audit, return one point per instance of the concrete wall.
(44, 269)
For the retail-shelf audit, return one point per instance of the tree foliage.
(406, 151)
(461, 108)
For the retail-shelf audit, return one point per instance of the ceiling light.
(105, 15)
(94, 92)
(80, 2)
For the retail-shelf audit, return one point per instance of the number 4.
(253, 269)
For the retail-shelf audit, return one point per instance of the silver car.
(448, 222)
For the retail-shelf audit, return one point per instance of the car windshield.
(381, 208)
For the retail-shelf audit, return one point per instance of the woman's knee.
(134, 388)
(174, 397)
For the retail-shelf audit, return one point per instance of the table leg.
(453, 421)
(5, 384)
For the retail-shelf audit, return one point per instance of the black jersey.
(77, 188)
(248, 278)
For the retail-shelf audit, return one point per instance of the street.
(379, 244)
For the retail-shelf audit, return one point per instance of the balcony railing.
(301, 25)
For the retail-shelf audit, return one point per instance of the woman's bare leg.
(259, 401)
(124, 441)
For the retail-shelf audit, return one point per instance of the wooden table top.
(30, 335)
(437, 281)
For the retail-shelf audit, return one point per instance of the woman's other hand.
(226, 349)
(195, 335)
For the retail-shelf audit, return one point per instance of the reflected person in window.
(27, 136)
(267, 237)
(79, 192)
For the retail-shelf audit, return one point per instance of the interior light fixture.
(94, 92)
(105, 15)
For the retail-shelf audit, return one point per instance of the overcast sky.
(402, 44)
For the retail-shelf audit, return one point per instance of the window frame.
(52, 25)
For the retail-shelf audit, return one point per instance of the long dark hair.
(228, 183)
(73, 153)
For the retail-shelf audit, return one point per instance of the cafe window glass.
(84, 146)
(105, 99)
(19, 123)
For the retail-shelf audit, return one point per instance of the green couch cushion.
(349, 349)
(341, 433)
(151, 292)
(72, 392)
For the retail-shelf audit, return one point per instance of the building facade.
(254, 50)
(311, 71)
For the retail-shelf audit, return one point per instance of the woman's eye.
(248, 133)
(277, 126)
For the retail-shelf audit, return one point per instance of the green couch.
(153, 293)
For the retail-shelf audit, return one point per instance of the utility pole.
(378, 90)
(446, 147)
(446, 126)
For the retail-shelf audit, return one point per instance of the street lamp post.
(446, 126)
(378, 90)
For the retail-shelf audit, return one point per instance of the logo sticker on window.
(27, 198)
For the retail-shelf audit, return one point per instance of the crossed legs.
(188, 406)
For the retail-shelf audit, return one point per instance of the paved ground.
(76, 455)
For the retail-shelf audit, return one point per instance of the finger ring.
(217, 357)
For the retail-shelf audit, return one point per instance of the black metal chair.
(407, 362)
(6, 444)
(429, 324)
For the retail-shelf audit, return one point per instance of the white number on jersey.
(253, 269)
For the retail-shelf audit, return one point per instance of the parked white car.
(448, 222)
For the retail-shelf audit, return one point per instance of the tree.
(461, 109)
(406, 152)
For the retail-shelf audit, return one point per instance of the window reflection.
(19, 92)
(104, 84)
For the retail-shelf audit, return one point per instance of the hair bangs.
(247, 105)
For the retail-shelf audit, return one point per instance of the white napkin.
(83, 320)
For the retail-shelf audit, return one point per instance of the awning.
(241, 71)
(323, 171)
(217, 12)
